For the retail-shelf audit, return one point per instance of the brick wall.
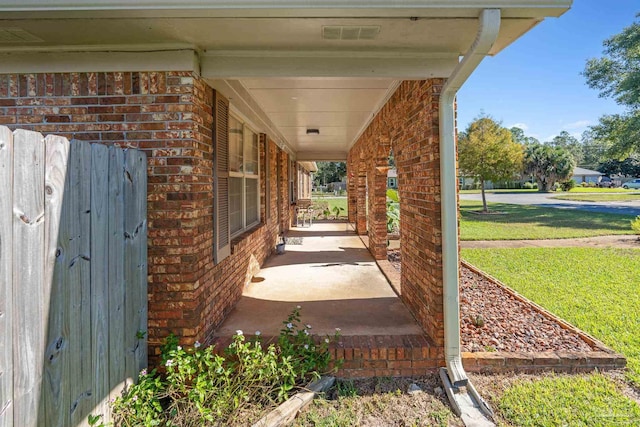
(408, 124)
(169, 115)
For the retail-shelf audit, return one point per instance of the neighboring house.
(581, 175)
(392, 178)
(229, 99)
(337, 186)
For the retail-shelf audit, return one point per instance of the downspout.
(487, 34)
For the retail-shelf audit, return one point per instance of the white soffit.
(337, 107)
(284, 64)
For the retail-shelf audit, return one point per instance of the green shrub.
(320, 208)
(528, 185)
(201, 387)
(568, 185)
(393, 211)
(635, 225)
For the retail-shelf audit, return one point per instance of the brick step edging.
(556, 361)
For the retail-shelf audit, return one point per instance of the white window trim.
(232, 174)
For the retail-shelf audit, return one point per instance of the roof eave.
(291, 8)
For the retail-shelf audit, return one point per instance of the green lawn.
(588, 400)
(333, 202)
(594, 289)
(611, 197)
(501, 190)
(580, 189)
(522, 222)
(577, 189)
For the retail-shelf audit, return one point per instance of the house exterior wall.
(408, 124)
(167, 114)
(304, 180)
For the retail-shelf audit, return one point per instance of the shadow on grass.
(552, 217)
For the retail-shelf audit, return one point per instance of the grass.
(380, 401)
(525, 222)
(594, 289)
(580, 189)
(334, 201)
(611, 197)
(577, 189)
(501, 190)
(589, 400)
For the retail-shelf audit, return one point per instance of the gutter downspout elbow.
(486, 37)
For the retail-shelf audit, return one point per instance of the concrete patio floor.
(328, 272)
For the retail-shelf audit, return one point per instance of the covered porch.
(227, 98)
(328, 272)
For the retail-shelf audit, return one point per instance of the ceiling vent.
(350, 32)
(17, 35)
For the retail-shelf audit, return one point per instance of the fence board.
(135, 187)
(100, 276)
(71, 304)
(77, 276)
(116, 283)
(28, 275)
(6, 285)
(55, 400)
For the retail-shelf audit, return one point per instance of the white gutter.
(487, 34)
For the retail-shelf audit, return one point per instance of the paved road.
(546, 199)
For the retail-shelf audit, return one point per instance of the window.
(292, 186)
(244, 194)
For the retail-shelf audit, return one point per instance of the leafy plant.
(635, 225)
(337, 210)
(393, 211)
(567, 185)
(346, 388)
(200, 386)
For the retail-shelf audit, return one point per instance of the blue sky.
(536, 82)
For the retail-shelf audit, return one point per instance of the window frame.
(247, 144)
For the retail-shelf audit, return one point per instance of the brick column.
(377, 178)
(352, 188)
(410, 119)
(361, 201)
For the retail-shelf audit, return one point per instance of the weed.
(201, 387)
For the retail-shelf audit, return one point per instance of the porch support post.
(377, 231)
(361, 207)
(352, 188)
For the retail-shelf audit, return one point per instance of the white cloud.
(522, 126)
(577, 125)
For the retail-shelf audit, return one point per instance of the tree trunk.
(484, 198)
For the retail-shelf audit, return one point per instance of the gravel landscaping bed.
(493, 320)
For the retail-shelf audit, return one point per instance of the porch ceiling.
(288, 65)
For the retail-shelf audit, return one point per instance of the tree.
(617, 75)
(593, 150)
(329, 172)
(570, 143)
(547, 164)
(487, 151)
(519, 136)
(628, 167)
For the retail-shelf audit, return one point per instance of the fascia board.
(292, 8)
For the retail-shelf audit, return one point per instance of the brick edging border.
(560, 361)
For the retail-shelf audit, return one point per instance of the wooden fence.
(73, 277)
